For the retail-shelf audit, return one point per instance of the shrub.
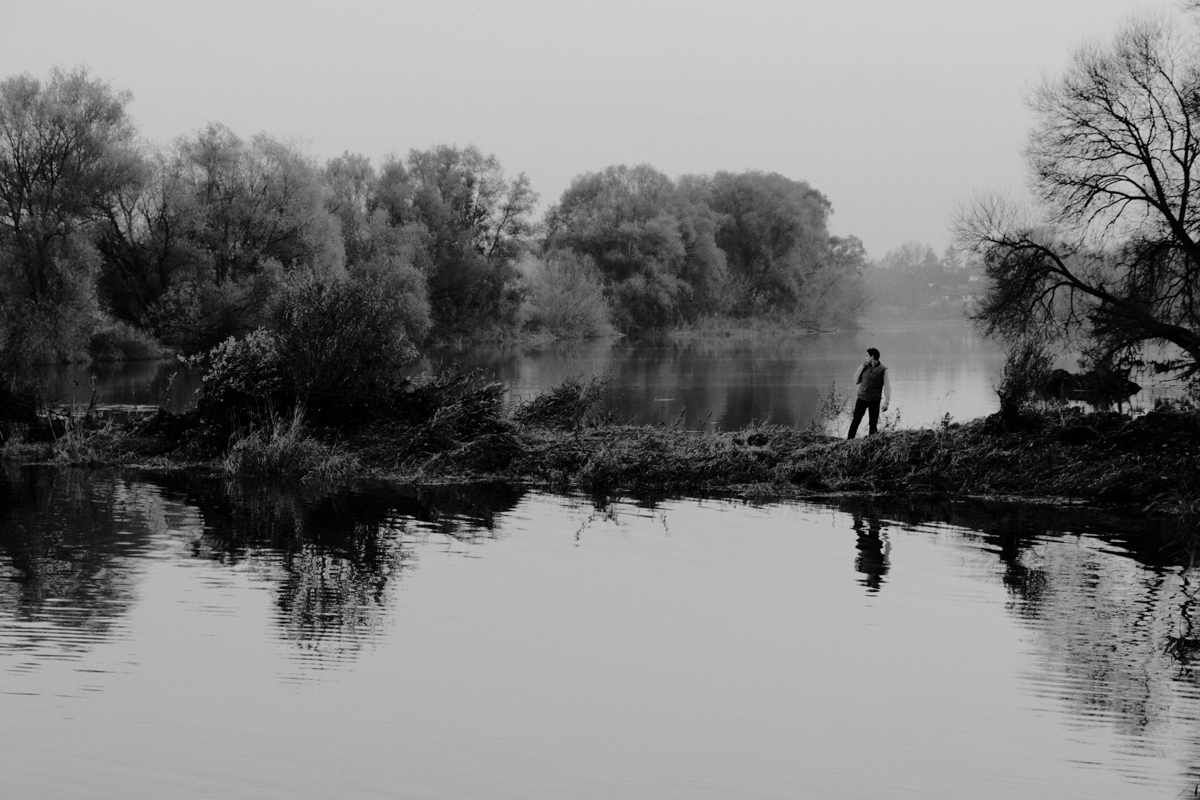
(567, 406)
(448, 409)
(831, 407)
(195, 315)
(646, 302)
(243, 377)
(566, 295)
(87, 440)
(330, 348)
(340, 344)
(176, 317)
(1026, 366)
(119, 341)
(282, 448)
(404, 287)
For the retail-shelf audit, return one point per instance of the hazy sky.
(897, 111)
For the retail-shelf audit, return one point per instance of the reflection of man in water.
(873, 551)
(874, 392)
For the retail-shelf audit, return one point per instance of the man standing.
(873, 386)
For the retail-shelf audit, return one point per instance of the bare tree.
(1109, 253)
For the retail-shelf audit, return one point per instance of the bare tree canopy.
(1108, 256)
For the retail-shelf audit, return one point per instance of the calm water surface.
(938, 368)
(178, 637)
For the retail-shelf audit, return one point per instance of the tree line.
(912, 281)
(107, 238)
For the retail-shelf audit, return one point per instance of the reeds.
(85, 440)
(284, 448)
(444, 413)
(461, 436)
(567, 406)
(451, 428)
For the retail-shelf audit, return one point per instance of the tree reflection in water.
(332, 555)
(1110, 602)
(1113, 612)
(68, 542)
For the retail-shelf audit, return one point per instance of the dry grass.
(451, 429)
(614, 458)
(82, 440)
(285, 449)
(567, 406)
(1151, 461)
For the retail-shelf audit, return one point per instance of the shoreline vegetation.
(452, 428)
(305, 290)
(115, 248)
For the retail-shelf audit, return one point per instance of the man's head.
(873, 353)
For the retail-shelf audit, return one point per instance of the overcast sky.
(897, 111)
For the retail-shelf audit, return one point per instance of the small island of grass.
(453, 428)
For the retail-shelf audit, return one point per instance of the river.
(727, 383)
(176, 636)
(937, 369)
(180, 636)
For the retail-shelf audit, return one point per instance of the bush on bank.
(336, 350)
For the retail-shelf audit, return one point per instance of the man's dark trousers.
(861, 406)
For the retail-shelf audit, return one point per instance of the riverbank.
(1151, 462)
(560, 442)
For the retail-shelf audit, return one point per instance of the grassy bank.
(1150, 462)
(563, 440)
